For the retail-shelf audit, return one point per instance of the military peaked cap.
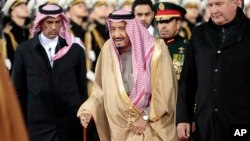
(168, 10)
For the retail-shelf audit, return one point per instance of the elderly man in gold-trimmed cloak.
(134, 93)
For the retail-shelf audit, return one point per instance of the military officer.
(16, 30)
(78, 12)
(168, 21)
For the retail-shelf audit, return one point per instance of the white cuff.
(91, 75)
(92, 55)
(7, 63)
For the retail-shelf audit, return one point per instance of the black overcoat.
(49, 95)
(216, 77)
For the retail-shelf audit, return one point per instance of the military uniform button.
(216, 109)
(215, 90)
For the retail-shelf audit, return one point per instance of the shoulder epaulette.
(184, 24)
(91, 27)
(7, 28)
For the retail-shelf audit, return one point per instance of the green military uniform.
(166, 12)
(177, 48)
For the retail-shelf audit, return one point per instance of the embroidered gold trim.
(184, 25)
(154, 65)
(87, 41)
(3, 51)
(165, 17)
(122, 90)
(13, 41)
(100, 41)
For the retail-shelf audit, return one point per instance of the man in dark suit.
(50, 78)
(216, 76)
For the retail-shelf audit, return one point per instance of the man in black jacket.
(216, 76)
(50, 78)
(78, 13)
(16, 30)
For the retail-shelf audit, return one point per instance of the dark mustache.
(164, 31)
(119, 38)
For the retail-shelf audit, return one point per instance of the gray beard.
(120, 47)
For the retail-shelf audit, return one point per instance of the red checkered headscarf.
(53, 10)
(142, 44)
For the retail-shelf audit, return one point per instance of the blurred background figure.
(111, 7)
(90, 3)
(16, 29)
(191, 17)
(172, 1)
(96, 35)
(78, 13)
(204, 12)
(2, 42)
(247, 9)
(34, 4)
(144, 13)
(12, 127)
(126, 5)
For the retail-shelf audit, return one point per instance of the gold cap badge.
(161, 6)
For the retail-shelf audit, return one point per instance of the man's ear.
(237, 3)
(179, 22)
(13, 13)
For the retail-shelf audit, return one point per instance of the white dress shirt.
(151, 30)
(49, 45)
